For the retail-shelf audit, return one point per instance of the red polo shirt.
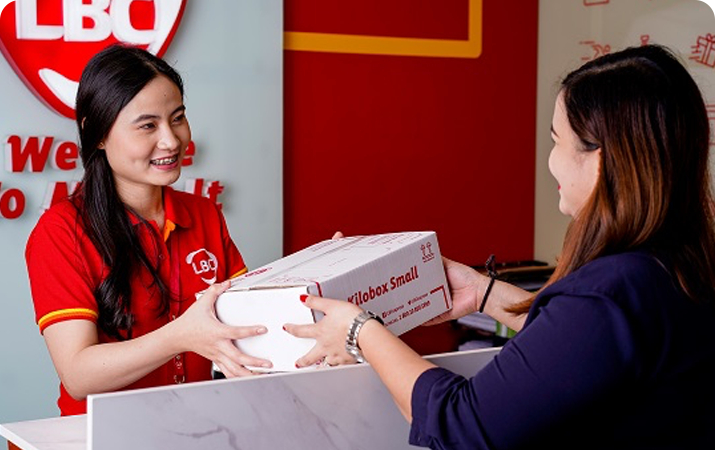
(193, 251)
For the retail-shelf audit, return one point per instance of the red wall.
(377, 144)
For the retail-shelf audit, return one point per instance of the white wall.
(565, 28)
(230, 55)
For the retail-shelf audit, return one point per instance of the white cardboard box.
(398, 276)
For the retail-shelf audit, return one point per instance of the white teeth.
(163, 161)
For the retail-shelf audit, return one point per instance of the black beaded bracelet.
(491, 271)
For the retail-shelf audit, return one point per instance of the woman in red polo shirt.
(114, 268)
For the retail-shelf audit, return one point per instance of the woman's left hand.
(329, 332)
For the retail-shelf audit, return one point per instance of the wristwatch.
(351, 341)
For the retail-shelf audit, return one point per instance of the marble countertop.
(58, 433)
(344, 407)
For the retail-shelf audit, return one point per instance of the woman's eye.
(180, 118)
(147, 126)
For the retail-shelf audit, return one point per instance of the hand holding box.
(398, 276)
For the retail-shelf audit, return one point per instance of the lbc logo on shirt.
(48, 42)
(204, 264)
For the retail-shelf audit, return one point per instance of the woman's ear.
(100, 146)
(597, 163)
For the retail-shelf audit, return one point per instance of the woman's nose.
(168, 139)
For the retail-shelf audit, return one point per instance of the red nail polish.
(297, 366)
(304, 297)
(284, 328)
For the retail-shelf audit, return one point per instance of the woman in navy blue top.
(617, 351)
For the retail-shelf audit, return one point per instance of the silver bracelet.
(351, 341)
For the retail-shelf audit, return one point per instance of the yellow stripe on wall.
(378, 45)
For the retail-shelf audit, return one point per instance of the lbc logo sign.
(48, 42)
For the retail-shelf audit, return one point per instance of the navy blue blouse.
(612, 356)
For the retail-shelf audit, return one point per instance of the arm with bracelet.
(347, 333)
(472, 291)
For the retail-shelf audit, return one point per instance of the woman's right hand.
(201, 332)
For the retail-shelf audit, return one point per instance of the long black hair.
(110, 80)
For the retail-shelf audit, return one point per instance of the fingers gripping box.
(398, 276)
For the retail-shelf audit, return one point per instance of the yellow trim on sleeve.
(63, 314)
